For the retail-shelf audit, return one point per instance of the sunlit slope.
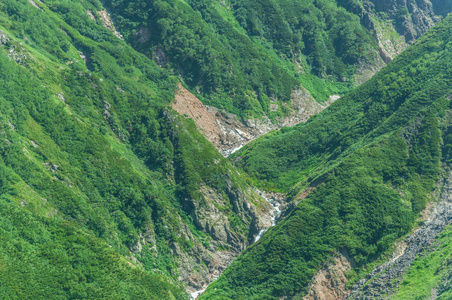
(103, 187)
(245, 55)
(373, 158)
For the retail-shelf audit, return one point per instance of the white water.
(197, 293)
(259, 235)
(229, 152)
(276, 211)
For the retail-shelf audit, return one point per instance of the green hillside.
(242, 55)
(373, 158)
(431, 273)
(104, 189)
(108, 193)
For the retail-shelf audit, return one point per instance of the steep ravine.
(207, 228)
(228, 133)
(401, 24)
(202, 265)
(276, 201)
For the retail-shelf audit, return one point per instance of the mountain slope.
(131, 201)
(371, 162)
(239, 61)
(106, 192)
(276, 45)
(271, 62)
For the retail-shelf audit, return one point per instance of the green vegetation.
(105, 192)
(241, 54)
(41, 258)
(373, 157)
(94, 166)
(429, 272)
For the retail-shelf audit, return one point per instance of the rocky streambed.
(229, 133)
(277, 202)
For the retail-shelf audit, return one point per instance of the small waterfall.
(274, 215)
(259, 235)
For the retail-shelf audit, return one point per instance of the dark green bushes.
(93, 160)
(374, 158)
(241, 55)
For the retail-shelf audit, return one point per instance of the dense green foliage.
(41, 258)
(93, 162)
(374, 157)
(241, 54)
(386, 103)
(101, 182)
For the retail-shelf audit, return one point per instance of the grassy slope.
(241, 55)
(429, 272)
(375, 156)
(93, 163)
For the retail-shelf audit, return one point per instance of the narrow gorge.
(233, 149)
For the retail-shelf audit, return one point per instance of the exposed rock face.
(209, 217)
(108, 23)
(200, 266)
(302, 106)
(228, 134)
(384, 280)
(204, 261)
(197, 267)
(329, 282)
(4, 39)
(366, 70)
(202, 258)
(34, 4)
(16, 51)
(91, 16)
(186, 104)
(213, 262)
(412, 18)
(398, 23)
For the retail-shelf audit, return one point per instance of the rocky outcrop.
(91, 15)
(395, 24)
(32, 2)
(229, 215)
(385, 279)
(228, 133)
(4, 39)
(197, 267)
(329, 282)
(108, 23)
(411, 18)
(215, 260)
(16, 50)
(203, 263)
(209, 215)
